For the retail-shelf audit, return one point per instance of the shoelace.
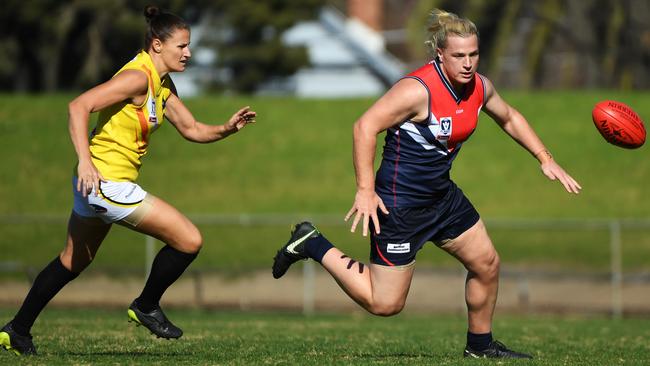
(500, 346)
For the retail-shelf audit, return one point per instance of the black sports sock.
(479, 342)
(46, 285)
(167, 267)
(317, 247)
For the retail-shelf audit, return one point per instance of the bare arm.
(407, 99)
(515, 125)
(195, 131)
(129, 85)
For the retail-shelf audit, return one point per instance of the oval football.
(619, 124)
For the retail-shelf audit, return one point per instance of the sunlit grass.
(86, 336)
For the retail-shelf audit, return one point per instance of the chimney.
(370, 12)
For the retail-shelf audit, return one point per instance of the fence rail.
(245, 219)
(615, 276)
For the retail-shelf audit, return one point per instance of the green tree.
(252, 49)
(51, 45)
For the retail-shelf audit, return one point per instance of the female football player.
(428, 115)
(131, 105)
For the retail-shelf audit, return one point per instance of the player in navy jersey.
(412, 200)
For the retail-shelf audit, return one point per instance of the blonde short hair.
(442, 24)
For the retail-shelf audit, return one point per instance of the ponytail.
(161, 24)
(442, 24)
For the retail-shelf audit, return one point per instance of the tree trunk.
(49, 53)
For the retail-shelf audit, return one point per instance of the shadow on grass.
(349, 357)
(398, 355)
(135, 354)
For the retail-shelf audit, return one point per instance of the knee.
(386, 308)
(194, 241)
(488, 266)
(189, 240)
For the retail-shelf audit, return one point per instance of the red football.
(618, 124)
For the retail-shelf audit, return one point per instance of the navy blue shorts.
(405, 229)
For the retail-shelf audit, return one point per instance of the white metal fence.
(615, 227)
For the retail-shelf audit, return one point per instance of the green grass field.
(297, 160)
(88, 337)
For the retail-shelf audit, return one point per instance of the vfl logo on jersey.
(398, 248)
(441, 128)
(151, 105)
(445, 128)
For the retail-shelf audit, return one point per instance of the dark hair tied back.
(150, 12)
(161, 25)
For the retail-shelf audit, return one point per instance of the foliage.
(60, 45)
(253, 51)
(552, 43)
(50, 45)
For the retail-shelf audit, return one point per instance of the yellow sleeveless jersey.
(121, 137)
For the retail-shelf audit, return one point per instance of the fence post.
(308, 279)
(198, 288)
(523, 293)
(616, 268)
(149, 247)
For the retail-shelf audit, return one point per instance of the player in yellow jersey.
(132, 106)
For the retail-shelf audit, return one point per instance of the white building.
(348, 59)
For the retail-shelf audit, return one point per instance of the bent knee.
(493, 264)
(386, 309)
(194, 241)
(488, 266)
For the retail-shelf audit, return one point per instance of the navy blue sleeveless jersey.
(417, 157)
